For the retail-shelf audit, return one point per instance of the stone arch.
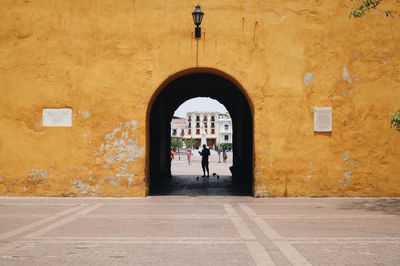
(191, 83)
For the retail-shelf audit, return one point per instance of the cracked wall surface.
(106, 59)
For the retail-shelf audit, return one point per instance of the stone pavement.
(187, 179)
(205, 230)
(180, 166)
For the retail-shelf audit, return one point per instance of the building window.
(197, 125)
(198, 131)
(182, 132)
(189, 131)
(197, 118)
(212, 125)
(190, 124)
(205, 125)
(212, 131)
(190, 118)
(226, 127)
(174, 132)
(205, 118)
(212, 118)
(226, 137)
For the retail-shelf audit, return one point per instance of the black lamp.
(197, 15)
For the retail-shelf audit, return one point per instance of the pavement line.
(330, 216)
(39, 204)
(240, 225)
(230, 210)
(266, 228)
(40, 222)
(260, 256)
(144, 241)
(285, 247)
(142, 238)
(290, 204)
(292, 254)
(379, 240)
(340, 238)
(144, 216)
(61, 222)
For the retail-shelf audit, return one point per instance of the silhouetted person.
(204, 160)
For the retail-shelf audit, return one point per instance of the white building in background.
(198, 121)
(225, 130)
(178, 127)
(217, 127)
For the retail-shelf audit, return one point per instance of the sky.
(199, 104)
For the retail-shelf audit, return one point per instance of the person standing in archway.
(189, 155)
(224, 155)
(205, 153)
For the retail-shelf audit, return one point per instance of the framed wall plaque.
(57, 117)
(322, 119)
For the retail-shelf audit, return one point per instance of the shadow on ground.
(199, 186)
(383, 205)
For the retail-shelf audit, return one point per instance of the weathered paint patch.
(346, 75)
(131, 180)
(308, 77)
(114, 181)
(85, 188)
(349, 165)
(118, 146)
(261, 191)
(347, 176)
(38, 176)
(122, 172)
(81, 186)
(117, 154)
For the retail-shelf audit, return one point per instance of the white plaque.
(323, 119)
(57, 117)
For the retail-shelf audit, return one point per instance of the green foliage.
(396, 120)
(226, 146)
(365, 6)
(176, 143)
(189, 143)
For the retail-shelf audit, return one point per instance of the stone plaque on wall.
(322, 119)
(57, 117)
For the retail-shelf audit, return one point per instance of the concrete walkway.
(179, 230)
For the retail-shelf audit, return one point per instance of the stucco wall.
(106, 59)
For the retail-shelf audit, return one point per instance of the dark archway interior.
(190, 86)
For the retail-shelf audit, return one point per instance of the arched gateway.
(181, 87)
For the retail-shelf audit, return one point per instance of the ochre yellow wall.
(106, 59)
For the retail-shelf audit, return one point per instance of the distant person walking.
(189, 155)
(224, 155)
(171, 154)
(204, 160)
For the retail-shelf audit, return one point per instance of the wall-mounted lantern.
(197, 15)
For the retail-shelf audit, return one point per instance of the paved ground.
(187, 179)
(180, 166)
(207, 230)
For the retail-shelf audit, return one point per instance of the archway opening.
(175, 91)
(197, 122)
